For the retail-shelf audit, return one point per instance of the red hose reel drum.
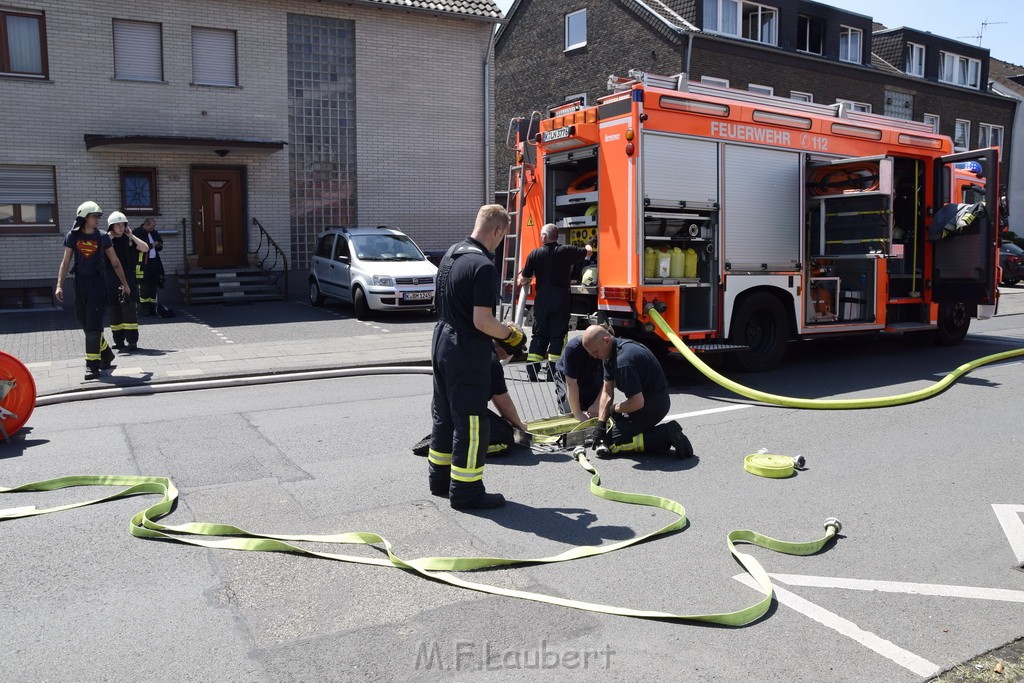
(17, 394)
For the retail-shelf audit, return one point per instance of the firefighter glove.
(601, 433)
(515, 342)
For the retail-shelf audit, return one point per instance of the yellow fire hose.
(145, 525)
(817, 403)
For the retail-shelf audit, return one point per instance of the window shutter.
(137, 51)
(27, 185)
(213, 57)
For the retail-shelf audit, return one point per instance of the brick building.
(210, 116)
(550, 52)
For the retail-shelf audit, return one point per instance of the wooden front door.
(218, 221)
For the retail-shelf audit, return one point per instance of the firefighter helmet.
(116, 217)
(86, 208)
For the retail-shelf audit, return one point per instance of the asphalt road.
(922, 578)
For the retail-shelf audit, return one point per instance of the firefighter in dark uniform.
(631, 368)
(86, 245)
(463, 342)
(579, 381)
(149, 269)
(551, 263)
(121, 308)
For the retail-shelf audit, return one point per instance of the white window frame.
(807, 38)
(138, 50)
(738, 25)
(932, 119)
(213, 44)
(966, 126)
(958, 70)
(990, 135)
(852, 105)
(846, 34)
(801, 96)
(568, 21)
(761, 89)
(714, 80)
(914, 63)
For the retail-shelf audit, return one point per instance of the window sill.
(11, 230)
(216, 85)
(36, 78)
(139, 80)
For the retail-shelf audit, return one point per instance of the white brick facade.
(419, 119)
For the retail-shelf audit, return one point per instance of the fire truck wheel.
(954, 319)
(759, 323)
(362, 309)
(316, 297)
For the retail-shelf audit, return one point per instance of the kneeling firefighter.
(631, 368)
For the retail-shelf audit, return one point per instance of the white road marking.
(1013, 526)
(941, 590)
(709, 411)
(908, 660)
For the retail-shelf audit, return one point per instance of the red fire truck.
(754, 219)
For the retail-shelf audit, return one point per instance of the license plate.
(417, 296)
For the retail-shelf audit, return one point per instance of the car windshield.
(386, 248)
(1011, 248)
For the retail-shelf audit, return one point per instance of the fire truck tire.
(359, 305)
(759, 324)
(316, 297)
(954, 319)
(1010, 282)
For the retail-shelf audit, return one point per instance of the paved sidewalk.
(215, 341)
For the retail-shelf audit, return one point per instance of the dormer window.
(850, 42)
(915, 60)
(750, 20)
(959, 70)
(809, 34)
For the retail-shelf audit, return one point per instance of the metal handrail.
(184, 259)
(273, 276)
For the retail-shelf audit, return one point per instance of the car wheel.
(1011, 282)
(760, 324)
(316, 297)
(362, 309)
(954, 319)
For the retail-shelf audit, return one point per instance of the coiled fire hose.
(145, 525)
(818, 403)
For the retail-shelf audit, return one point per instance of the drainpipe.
(689, 50)
(488, 133)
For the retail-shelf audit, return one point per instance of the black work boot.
(473, 496)
(92, 370)
(680, 443)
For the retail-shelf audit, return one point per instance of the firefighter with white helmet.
(122, 307)
(86, 246)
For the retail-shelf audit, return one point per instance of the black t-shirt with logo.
(88, 250)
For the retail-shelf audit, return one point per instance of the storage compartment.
(696, 303)
(822, 297)
(853, 306)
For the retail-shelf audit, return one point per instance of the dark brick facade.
(533, 71)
